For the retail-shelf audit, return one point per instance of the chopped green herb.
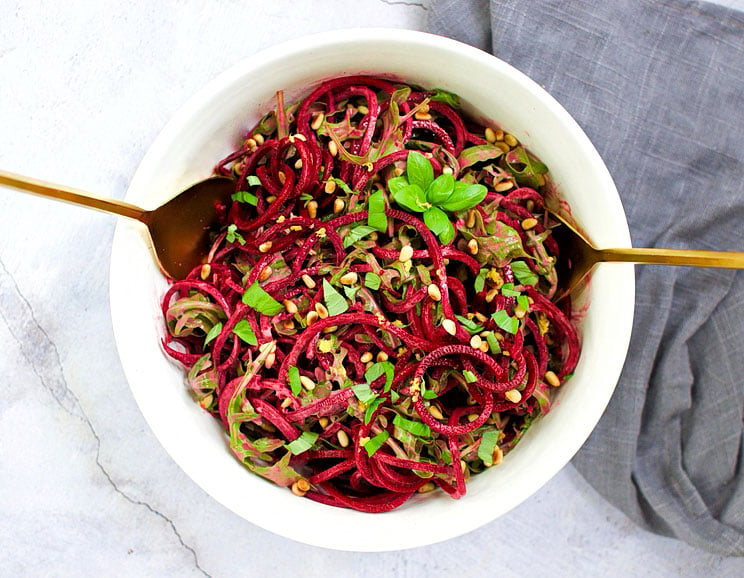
(523, 273)
(429, 394)
(376, 370)
(469, 376)
(415, 427)
(488, 444)
(376, 217)
(253, 181)
(471, 326)
(245, 197)
(480, 280)
(363, 392)
(243, 330)
(507, 290)
(233, 235)
(372, 408)
(261, 301)
(493, 343)
(334, 302)
(505, 321)
(524, 302)
(302, 443)
(293, 374)
(351, 292)
(446, 97)
(372, 281)
(376, 442)
(213, 332)
(356, 234)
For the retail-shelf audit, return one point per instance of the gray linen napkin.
(659, 89)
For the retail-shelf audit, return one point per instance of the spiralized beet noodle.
(359, 341)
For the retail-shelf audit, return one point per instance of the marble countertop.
(85, 488)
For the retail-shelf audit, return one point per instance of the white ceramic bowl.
(210, 125)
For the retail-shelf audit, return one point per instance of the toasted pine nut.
(513, 395)
(330, 186)
(259, 138)
(427, 487)
(472, 417)
(270, 359)
(503, 186)
(288, 324)
(366, 357)
(324, 421)
(362, 109)
(282, 177)
(308, 281)
(338, 205)
(343, 438)
(206, 270)
(250, 143)
(312, 209)
(491, 295)
(470, 219)
(381, 356)
(490, 135)
(552, 378)
(497, 456)
(511, 140)
(484, 346)
(308, 383)
(348, 278)
(475, 341)
(529, 223)
(449, 326)
(434, 292)
(332, 148)
(298, 164)
(286, 402)
(312, 317)
(321, 310)
(420, 115)
(435, 412)
(406, 252)
(265, 247)
(318, 119)
(447, 170)
(473, 247)
(290, 306)
(298, 490)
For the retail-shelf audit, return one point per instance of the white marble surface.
(85, 488)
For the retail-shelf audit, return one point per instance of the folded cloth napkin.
(659, 88)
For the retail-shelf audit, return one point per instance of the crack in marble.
(401, 3)
(44, 359)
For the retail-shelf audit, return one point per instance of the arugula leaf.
(213, 333)
(376, 443)
(480, 280)
(523, 273)
(376, 370)
(357, 234)
(489, 441)
(469, 376)
(334, 302)
(417, 428)
(372, 281)
(261, 301)
(302, 443)
(293, 374)
(376, 212)
(419, 170)
(243, 330)
(505, 321)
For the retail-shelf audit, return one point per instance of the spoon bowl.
(179, 229)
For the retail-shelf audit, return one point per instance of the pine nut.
(288, 324)
(307, 383)
(484, 346)
(321, 310)
(366, 357)
(338, 205)
(406, 253)
(312, 209)
(333, 148)
(265, 247)
(552, 378)
(434, 292)
(286, 402)
(259, 138)
(497, 456)
(427, 487)
(300, 136)
(362, 109)
(381, 356)
(473, 247)
(312, 317)
(318, 119)
(298, 164)
(470, 219)
(324, 421)
(435, 412)
(511, 140)
(513, 396)
(520, 312)
(343, 438)
(529, 223)
(449, 326)
(472, 417)
(270, 359)
(330, 186)
(250, 143)
(419, 115)
(300, 487)
(282, 177)
(503, 186)
(308, 281)
(447, 170)
(206, 270)
(491, 295)
(290, 306)
(490, 135)
(476, 341)
(348, 278)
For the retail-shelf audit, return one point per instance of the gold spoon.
(179, 229)
(578, 257)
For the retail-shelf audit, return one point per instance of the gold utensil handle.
(685, 257)
(70, 195)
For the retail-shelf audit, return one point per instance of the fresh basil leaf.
(505, 321)
(471, 326)
(371, 409)
(245, 197)
(343, 186)
(376, 370)
(446, 97)
(411, 198)
(376, 442)
(372, 281)
(356, 234)
(480, 281)
(523, 273)
(243, 330)
(213, 333)
(293, 375)
(397, 184)
(489, 441)
(302, 443)
(417, 428)
(440, 189)
(419, 170)
(376, 217)
(363, 392)
(429, 394)
(464, 196)
(507, 290)
(261, 301)
(334, 302)
(448, 234)
(469, 376)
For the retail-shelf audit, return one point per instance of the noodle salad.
(375, 319)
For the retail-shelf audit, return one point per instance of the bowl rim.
(319, 42)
